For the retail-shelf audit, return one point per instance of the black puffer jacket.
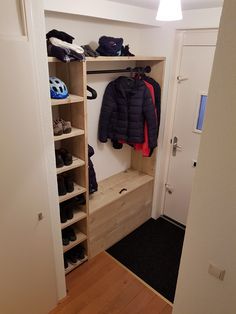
(127, 103)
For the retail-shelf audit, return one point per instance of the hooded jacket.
(126, 105)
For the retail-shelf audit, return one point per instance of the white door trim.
(165, 149)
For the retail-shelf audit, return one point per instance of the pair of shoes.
(65, 184)
(63, 157)
(68, 235)
(65, 262)
(66, 212)
(61, 126)
(76, 254)
(80, 200)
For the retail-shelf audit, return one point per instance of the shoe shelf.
(73, 266)
(80, 237)
(77, 190)
(78, 215)
(74, 132)
(75, 164)
(69, 100)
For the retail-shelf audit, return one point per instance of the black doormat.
(153, 253)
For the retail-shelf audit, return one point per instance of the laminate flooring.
(103, 286)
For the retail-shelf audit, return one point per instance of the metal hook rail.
(140, 70)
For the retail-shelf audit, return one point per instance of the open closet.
(123, 200)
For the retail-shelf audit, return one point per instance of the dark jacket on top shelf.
(127, 103)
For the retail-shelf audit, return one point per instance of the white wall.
(210, 235)
(103, 9)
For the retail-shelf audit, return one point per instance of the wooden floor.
(102, 285)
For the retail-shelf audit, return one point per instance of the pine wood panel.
(103, 286)
(109, 189)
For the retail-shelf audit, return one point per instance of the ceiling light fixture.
(169, 10)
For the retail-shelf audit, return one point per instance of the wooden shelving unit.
(73, 109)
(124, 201)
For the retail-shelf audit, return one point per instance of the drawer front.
(114, 221)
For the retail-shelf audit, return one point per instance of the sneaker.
(66, 126)
(57, 128)
(62, 189)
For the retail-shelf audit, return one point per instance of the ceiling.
(186, 4)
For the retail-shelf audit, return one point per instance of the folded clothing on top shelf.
(60, 35)
(60, 45)
(111, 46)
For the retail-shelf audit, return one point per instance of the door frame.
(164, 155)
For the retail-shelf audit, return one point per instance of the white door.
(27, 271)
(193, 78)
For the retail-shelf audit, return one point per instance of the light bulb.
(169, 10)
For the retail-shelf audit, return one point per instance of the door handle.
(181, 78)
(175, 146)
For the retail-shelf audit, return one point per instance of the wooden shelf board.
(53, 59)
(78, 215)
(69, 100)
(124, 58)
(118, 58)
(74, 132)
(80, 237)
(75, 164)
(77, 190)
(109, 189)
(73, 266)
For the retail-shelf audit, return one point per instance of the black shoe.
(59, 160)
(70, 234)
(68, 207)
(63, 214)
(79, 252)
(69, 184)
(65, 262)
(62, 189)
(66, 156)
(69, 213)
(80, 200)
(71, 257)
(65, 238)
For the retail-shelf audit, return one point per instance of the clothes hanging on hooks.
(154, 92)
(127, 103)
